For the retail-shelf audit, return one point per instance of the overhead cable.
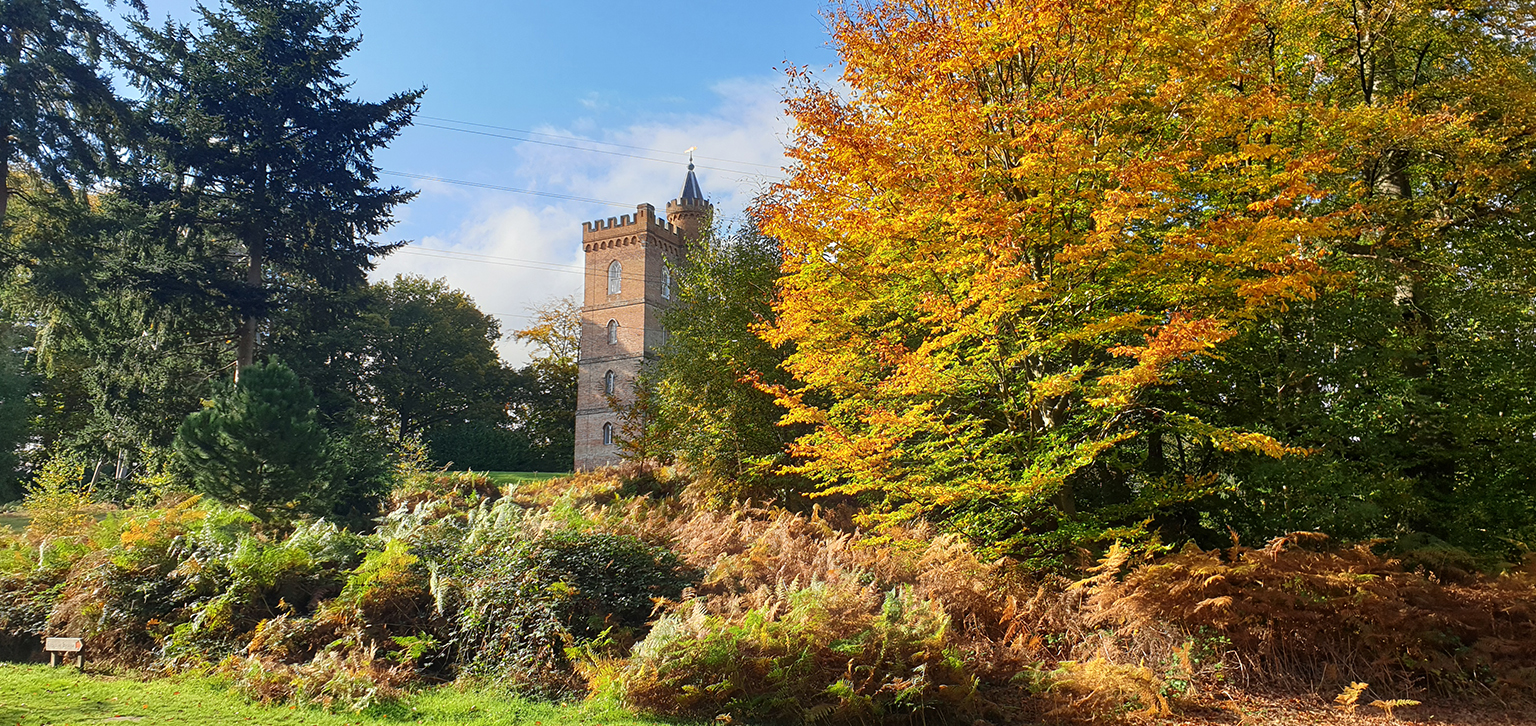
(679, 154)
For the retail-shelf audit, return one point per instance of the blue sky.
(648, 80)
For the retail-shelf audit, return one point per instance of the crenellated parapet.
(688, 217)
(642, 228)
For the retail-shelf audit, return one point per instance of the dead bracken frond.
(1350, 697)
(1394, 703)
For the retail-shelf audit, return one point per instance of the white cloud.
(540, 239)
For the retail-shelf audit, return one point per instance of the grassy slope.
(14, 521)
(37, 695)
(507, 477)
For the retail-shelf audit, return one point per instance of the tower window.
(608, 382)
(607, 434)
(666, 282)
(613, 332)
(615, 277)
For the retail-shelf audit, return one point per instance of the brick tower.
(629, 264)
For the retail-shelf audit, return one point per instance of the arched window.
(666, 283)
(608, 382)
(607, 434)
(613, 332)
(615, 277)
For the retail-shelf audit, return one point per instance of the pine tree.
(57, 107)
(261, 149)
(261, 446)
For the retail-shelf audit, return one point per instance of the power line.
(590, 141)
(510, 262)
(593, 151)
(499, 188)
(444, 255)
(498, 258)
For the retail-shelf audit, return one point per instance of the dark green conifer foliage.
(261, 446)
(260, 148)
(15, 411)
(57, 108)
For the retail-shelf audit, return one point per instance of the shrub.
(1297, 609)
(842, 653)
(607, 581)
(260, 446)
(530, 601)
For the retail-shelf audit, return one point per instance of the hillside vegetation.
(1092, 359)
(591, 587)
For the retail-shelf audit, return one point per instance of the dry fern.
(1394, 703)
(1109, 688)
(1350, 697)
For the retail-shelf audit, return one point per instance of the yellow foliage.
(1350, 697)
(58, 501)
(1103, 687)
(1394, 703)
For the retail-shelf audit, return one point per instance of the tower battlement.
(700, 205)
(644, 218)
(642, 228)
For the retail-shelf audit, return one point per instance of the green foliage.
(15, 408)
(531, 601)
(543, 404)
(816, 649)
(121, 347)
(58, 500)
(60, 113)
(481, 445)
(706, 399)
(261, 446)
(433, 361)
(609, 581)
(252, 104)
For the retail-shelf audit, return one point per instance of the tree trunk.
(5, 171)
(245, 351)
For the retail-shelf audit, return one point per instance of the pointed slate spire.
(691, 184)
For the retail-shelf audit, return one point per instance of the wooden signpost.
(65, 646)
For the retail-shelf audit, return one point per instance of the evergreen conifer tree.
(261, 151)
(57, 107)
(261, 446)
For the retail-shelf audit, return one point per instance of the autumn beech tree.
(1023, 236)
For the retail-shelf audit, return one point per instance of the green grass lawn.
(510, 477)
(14, 521)
(38, 695)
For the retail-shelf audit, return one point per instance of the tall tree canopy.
(1052, 269)
(704, 392)
(543, 405)
(433, 359)
(262, 151)
(58, 111)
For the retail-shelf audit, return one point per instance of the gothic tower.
(629, 266)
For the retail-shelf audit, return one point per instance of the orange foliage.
(1019, 218)
(1015, 221)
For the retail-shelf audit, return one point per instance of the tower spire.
(691, 184)
(689, 211)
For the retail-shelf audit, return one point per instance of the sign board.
(63, 645)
